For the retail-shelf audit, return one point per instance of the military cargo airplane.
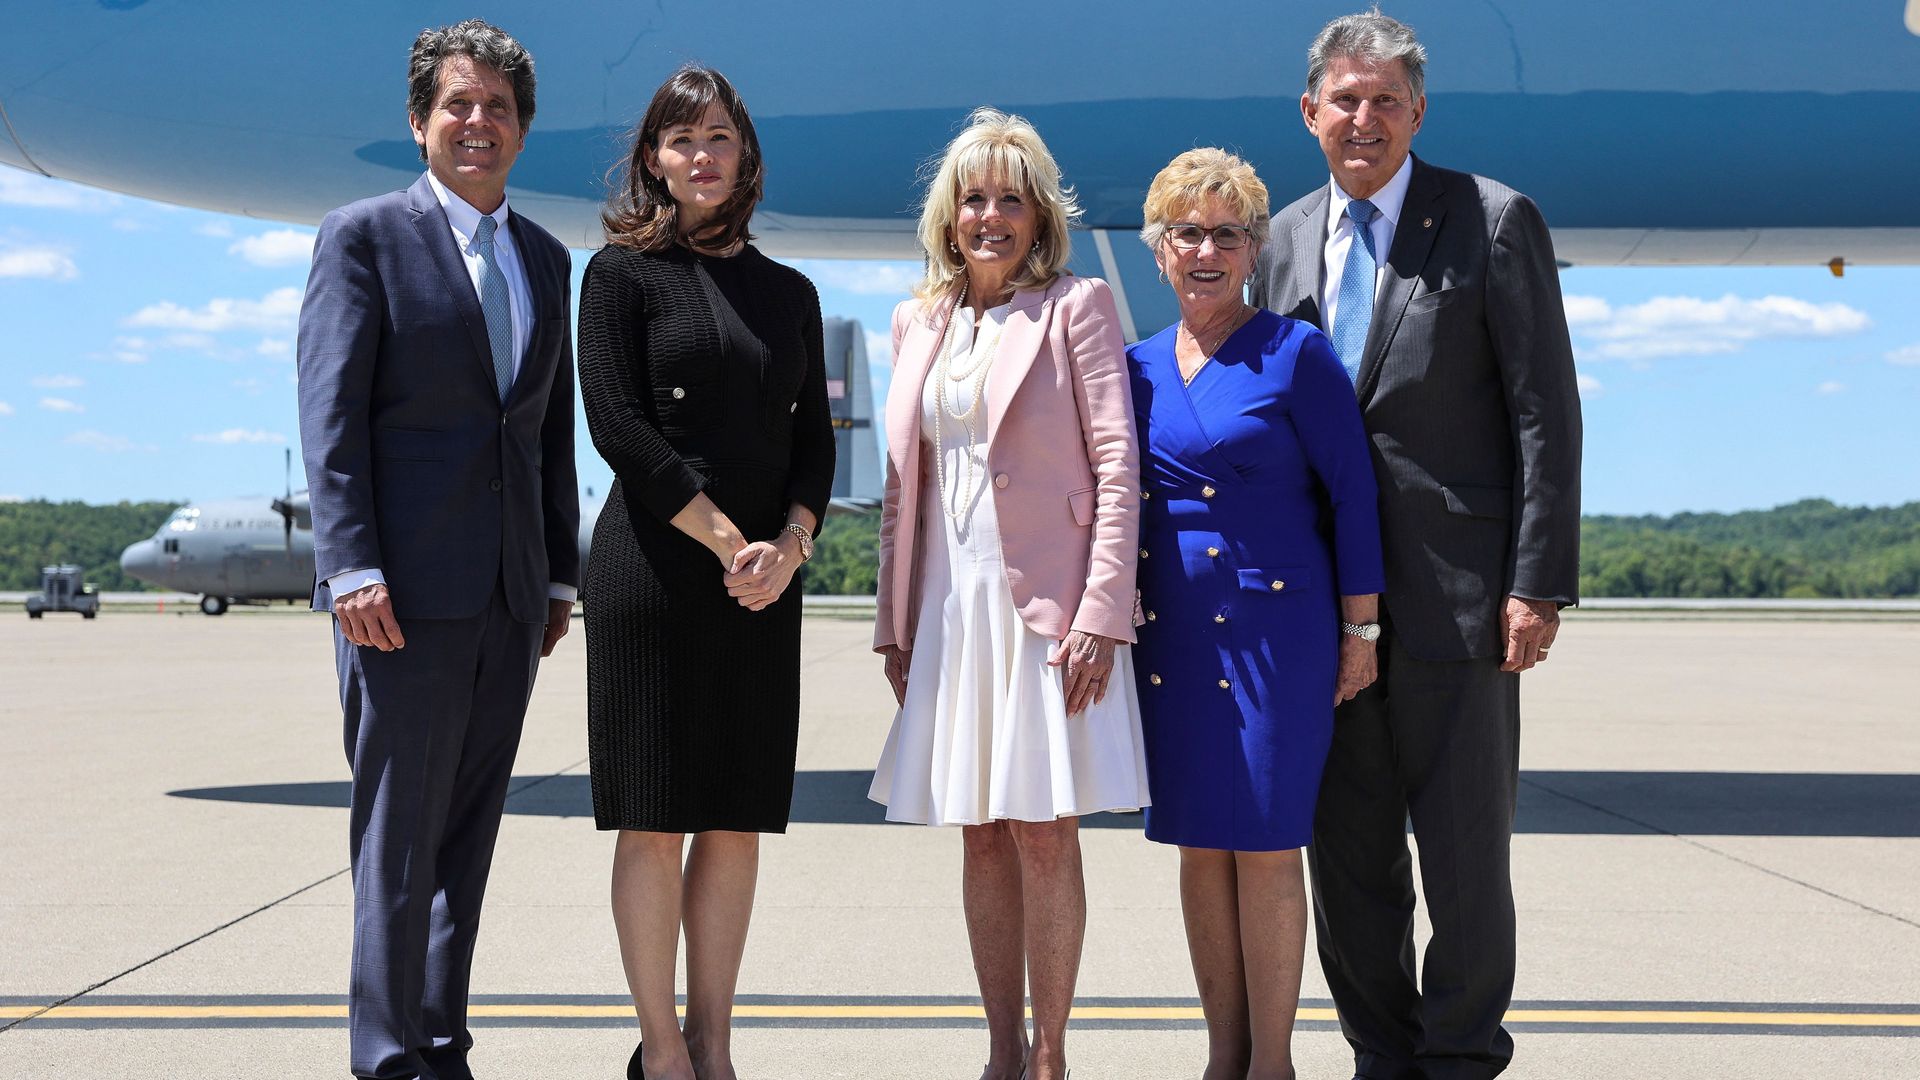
(257, 550)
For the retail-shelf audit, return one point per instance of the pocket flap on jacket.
(1475, 500)
(1279, 580)
(1081, 503)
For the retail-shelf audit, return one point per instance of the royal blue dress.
(1259, 511)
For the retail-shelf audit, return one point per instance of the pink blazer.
(1062, 453)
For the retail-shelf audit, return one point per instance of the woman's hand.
(897, 661)
(1089, 662)
(1359, 666)
(762, 570)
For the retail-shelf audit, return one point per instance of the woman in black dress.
(702, 374)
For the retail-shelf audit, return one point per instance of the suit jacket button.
(1154, 679)
(1225, 685)
(1213, 553)
(793, 407)
(679, 392)
(1145, 494)
(1002, 480)
(1220, 618)
(1277, 586)
(1143, 553)
(1151, 616)
(1207, 492)
(503, 419)
(494, 484)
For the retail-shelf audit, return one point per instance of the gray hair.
(1373, 38)
(479, 41)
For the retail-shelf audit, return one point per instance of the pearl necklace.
(943, 375)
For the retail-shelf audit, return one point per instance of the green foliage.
(846, 558)
(1806, 549)
(40, 533)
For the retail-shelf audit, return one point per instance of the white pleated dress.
(984, 734)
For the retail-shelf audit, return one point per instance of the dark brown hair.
(641, 213)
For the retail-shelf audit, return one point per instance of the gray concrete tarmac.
(1717, 870)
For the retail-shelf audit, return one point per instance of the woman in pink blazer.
(1007, 545)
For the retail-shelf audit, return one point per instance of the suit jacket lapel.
(1420, 217)
(1308, 265)
(533, 263)
(1019, 345)
(436, 235)
(909, 383)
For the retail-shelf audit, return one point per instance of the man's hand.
(366, 617)
(559, 619)
(1529, 627)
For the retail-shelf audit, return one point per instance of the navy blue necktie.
(1354, 310)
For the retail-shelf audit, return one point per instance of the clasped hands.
(366, 617)
(760, 572)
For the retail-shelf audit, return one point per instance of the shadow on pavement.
(1551, 802)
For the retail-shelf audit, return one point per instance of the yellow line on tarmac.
(1587, 1016)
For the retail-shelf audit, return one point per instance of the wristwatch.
(1363, 631)
(806, 539)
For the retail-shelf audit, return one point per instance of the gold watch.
(806, 539)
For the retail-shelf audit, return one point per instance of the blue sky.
(146, 352)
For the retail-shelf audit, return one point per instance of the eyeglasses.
(1187, 236)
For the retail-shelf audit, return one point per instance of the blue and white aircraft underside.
(1737, 132)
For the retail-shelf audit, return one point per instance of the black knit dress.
(697, 373)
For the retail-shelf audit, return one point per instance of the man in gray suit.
(436, 417)
(1440, 292)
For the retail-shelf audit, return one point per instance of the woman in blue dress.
(1259, 576)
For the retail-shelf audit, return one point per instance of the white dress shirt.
(464, 221)
(1388, 201)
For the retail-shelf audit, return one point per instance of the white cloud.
(1586, 310)
(1589, 386)
(5, 409)
(1830, 387)
(238, 436)
(47, 263)
(281, 247)
(19, 188)
(863, 277)
(13, 498)
(276, 312)
(1695, 326)
(58, 382)
(278, 348)
(217, 229)
(56, 404)
(1909, 355)
(101, 441)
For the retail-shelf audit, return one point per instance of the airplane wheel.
(213, 605)
(88, 614)
(33, 614)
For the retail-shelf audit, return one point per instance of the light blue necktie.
(1356, 290)
(498, 310)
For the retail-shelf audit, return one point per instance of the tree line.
(1811, 548)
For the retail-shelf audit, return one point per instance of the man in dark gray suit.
(1440, 292)
(436, 417)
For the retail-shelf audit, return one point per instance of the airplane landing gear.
(213, 605)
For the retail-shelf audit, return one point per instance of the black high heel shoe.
(634, 1071)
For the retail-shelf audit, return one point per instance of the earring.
(1163, 276)
(953, 247)
(1036, 245)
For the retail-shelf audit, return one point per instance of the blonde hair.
(995, 144)
(1196, 176)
